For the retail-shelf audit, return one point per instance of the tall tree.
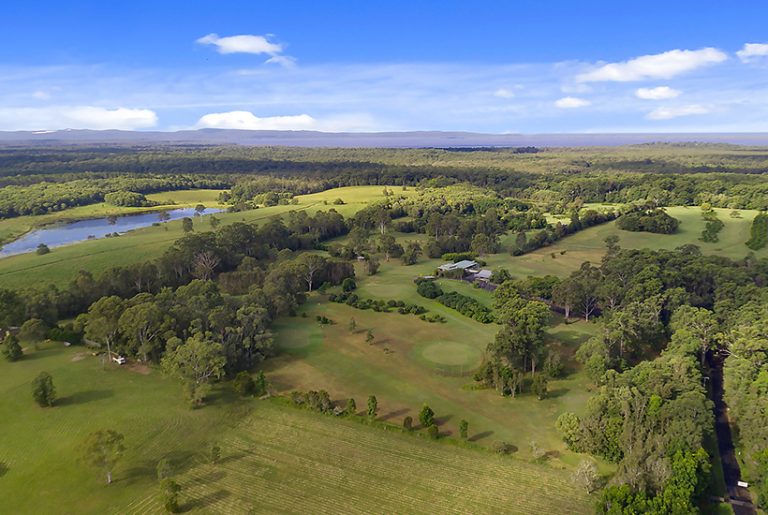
(103, 449)
(312, 264)
(43, 390)
(102, 321)
(142, 326)
(196, 362)
(11, 348)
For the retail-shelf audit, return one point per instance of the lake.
(82, 230)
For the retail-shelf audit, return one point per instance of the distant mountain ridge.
(413, 139)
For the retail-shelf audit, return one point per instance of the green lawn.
(62, 263)
(412, 361)
(275, 458)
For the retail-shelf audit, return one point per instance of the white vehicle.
(120, 360)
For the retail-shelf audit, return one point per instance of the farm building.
(464, 265)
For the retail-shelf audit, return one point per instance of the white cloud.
(504, 93)
(752, 51)
(657, 66)
(667, 113)
(657, 93)
(248, 121)
(75, 117)
(249, 44)
(243, 44)
(571, 103)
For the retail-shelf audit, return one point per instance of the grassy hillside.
(62, 263)
(275, 458)
(589, 245)
(412, 361)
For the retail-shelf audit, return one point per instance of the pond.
(82, 230)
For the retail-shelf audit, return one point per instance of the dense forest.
(42, 180)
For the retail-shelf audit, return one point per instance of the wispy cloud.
(571, 103)
(657, 66)
(504, 93)
(667, 113)
(752, 51)
(657, 93)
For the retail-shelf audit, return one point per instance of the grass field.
(412, 361)
(39, 447)
(275, 458)
(589, 245)
(62, 263)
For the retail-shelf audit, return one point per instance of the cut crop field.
(285, 460)
(96, 256)
(411, 362)
(275, 458)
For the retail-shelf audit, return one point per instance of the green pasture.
(275, 458)
(96, 256)
(411, 362)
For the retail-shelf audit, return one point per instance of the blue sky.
(522, 66)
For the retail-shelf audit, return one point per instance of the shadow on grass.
(480, 436)
(233, 457)
(3, 469)
(557, 392)
(30, 354)
(205, 501)
(439, 421)
(84, 397)
(394, 414)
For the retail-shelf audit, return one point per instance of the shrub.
(429, 289)
(654, 220)
(433, 432)
(244, 384)
(348, 284)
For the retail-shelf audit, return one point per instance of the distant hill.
(417, 139)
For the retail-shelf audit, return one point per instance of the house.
(482, 276)
(465, 265)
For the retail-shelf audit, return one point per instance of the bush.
(348, 284)
(408, 423)
(244, 384)
(503, 447)
(429, 289)
(42, 249)
(654, 220)
(433, 432)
